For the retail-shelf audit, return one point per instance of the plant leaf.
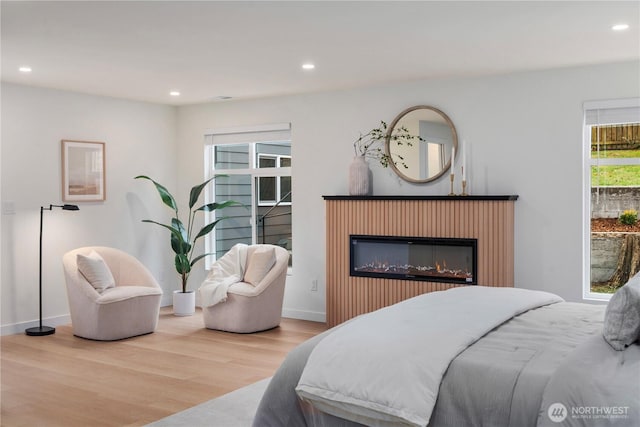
(207, 228)
(168, 227)
(166, 197)
(199, 257)
(180, 241)
(178, 225)
(197, 190)
(179, 246)
(213, 206)
(182, 264)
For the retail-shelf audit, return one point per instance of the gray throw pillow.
(622, 317)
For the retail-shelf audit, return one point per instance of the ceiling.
(142, 50)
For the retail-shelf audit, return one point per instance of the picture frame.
(83, 171)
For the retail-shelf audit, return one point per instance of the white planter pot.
(184, 303)
(359, 177)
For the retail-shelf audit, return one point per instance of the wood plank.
(63, 380)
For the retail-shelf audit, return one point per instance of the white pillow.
(258, 265)
(622, 317)
(96, 271)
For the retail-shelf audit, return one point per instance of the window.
(274, 190)
(612, 177)
(257, 165)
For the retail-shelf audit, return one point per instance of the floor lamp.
(46, 330)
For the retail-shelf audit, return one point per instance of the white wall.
(523, 132)
(524, 136)
(140, 139)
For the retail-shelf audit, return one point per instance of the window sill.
(591, 296)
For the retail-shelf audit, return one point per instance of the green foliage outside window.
(629, 217)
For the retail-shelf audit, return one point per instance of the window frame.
(588, 162)
(278, 179)
(251, 136)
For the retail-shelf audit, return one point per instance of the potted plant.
(183, 239)
(371, 145)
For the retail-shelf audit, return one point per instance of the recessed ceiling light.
(620, 27)
(174, 93)
(25, 69)
(308, 66)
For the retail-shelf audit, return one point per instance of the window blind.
(239, 135)
(612, 111)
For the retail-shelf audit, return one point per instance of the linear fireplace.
(450, 260)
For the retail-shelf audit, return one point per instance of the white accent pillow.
(258, 265)
(622, 317)
(96, 271)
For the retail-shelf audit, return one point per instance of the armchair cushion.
(243, 288)
(121, 293)
(95, 270)
(258, 265)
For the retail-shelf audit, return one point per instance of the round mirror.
(428, 159)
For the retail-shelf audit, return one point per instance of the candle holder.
(451, 193)
(464, 188)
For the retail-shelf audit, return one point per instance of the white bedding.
(408, 347)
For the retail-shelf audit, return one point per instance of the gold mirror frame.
(454, 140)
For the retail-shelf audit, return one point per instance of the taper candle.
(453, 157)
(464, 160)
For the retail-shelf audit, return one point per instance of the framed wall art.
(83, 170)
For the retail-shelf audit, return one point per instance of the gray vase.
(359, 177)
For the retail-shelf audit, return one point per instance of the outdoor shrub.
(629, 217)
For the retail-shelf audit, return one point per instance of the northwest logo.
(557, 412)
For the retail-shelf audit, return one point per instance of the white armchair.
(127, 308)
(251, 307)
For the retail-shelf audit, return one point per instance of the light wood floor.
(62, 380)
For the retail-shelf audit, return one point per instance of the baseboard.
(314, 316)
(167, 299)
(18, 328)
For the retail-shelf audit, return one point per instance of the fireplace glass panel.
(414, 258)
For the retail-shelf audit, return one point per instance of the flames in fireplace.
(438, 270)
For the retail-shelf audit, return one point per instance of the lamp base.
(39, 331)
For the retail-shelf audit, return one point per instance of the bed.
(469, 356)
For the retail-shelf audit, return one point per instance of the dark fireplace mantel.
(392, 197)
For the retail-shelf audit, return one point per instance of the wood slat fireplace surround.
(490, 219)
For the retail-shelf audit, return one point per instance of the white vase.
(184, 303)
(359, 177)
